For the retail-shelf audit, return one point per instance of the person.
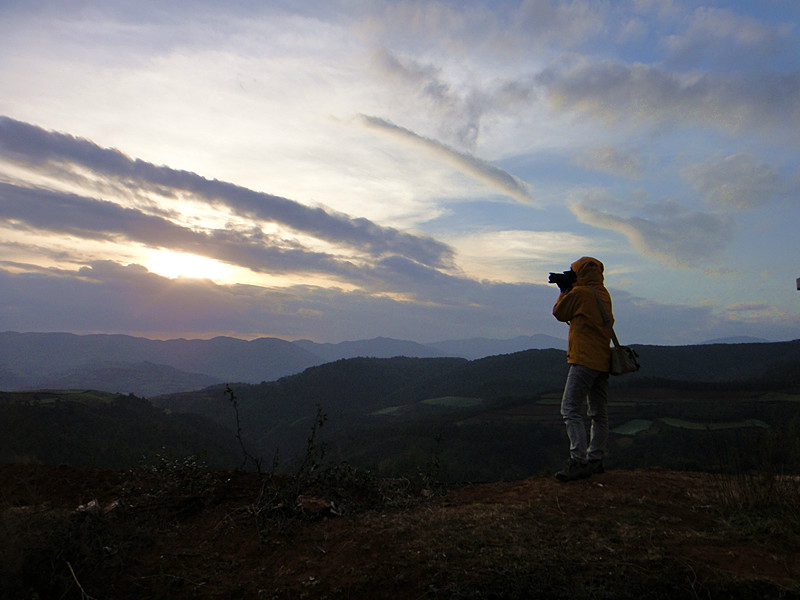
(589, 358)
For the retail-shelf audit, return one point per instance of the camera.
(564, 280)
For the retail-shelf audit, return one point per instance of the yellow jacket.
(589, 342)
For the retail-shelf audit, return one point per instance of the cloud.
(727, 39)
(51, 153)
(673, 235)
(620, 93)
(497, 179)
(520, 255)
(611, 160)
(375, 259)
(750, 307)
(564, 23)
(757, 313)
(108, 296)
(87, 218)
(460, 119)
(458, 112)
(111, 297)
(737, 182)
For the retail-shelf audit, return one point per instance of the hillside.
(276, 416)
(387, 414)
(180, 532)
(140, 379)
(90, 428)
(495, 417)
(772, 363)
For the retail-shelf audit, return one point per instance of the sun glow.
(177, 264)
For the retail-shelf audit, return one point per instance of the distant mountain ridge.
(479, 347)
(37, 360)
(379, 347)
(741, 339)
(145, 367)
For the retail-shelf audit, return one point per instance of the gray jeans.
(587, 384)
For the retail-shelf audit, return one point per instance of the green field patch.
(442, 402)
(633, 427)
(391, 410)
(453, 402)
(680, 423)
(638, 425)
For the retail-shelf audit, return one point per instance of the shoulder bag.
(623, 358)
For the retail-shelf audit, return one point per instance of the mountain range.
(145, 367)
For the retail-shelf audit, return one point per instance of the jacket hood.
(589, 271)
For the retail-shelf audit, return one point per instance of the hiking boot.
(596, 466)
(573, 470)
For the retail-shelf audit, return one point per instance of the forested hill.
(499, 414)
(361, 391)
(764, 363)
(358, 384)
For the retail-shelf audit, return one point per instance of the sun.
(178, 264)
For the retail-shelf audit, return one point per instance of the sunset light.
(177, 264)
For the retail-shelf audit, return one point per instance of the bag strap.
(606, 318)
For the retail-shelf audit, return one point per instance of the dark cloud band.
(33, 146)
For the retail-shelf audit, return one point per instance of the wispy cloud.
(565, 23)
(673, 235)
(526, 255)
(612, 160)
(459, 117)
(88, 218)
(728, 39)
(622, 93)
(495, 178)
(459, 109)
(736, 182)
(60, 154)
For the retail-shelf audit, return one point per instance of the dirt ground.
(622, 534)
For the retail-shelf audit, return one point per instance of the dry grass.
(623, 534)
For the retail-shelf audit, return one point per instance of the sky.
(346, 169)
